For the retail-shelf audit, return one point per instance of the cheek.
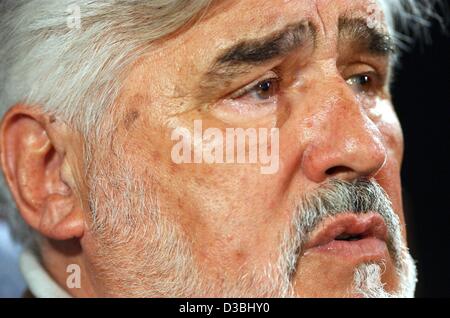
(389, 177)
(207, 200)
(386, 119)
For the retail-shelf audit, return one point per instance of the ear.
(37, 172)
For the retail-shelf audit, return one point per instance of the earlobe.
(33, 166)
(61, 220)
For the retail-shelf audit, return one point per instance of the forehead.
(256, 16)
(229, 21)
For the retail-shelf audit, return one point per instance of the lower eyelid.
(232, 108)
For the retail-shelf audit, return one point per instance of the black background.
(421, 93)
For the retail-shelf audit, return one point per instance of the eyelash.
(255, 85)
(372, 81)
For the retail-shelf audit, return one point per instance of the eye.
(261, 90)
(265, 89)
(361, 82)
(257, 100)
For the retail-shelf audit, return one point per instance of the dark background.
(421, 94)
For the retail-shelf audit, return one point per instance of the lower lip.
(368, 249)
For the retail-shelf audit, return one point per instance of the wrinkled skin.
(232, 214)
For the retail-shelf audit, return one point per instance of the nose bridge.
(346, 118)
(347, 144)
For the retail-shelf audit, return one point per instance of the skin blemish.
(240, 256)
(156, 155)
(130, 118)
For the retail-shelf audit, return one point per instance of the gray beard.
(360, 197)
(165, 267)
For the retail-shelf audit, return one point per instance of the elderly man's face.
(315, 70)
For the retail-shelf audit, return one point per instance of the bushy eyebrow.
(357, 32)
(269, 47)
(240, 58)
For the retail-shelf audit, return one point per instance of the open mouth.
(350, 235)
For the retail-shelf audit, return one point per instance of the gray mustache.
(338, 197)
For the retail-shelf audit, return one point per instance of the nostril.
(338, 170)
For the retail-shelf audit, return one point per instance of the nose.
(348, 145)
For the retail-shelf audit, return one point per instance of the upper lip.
(359, 226)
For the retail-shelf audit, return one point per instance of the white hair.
(75, 73)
